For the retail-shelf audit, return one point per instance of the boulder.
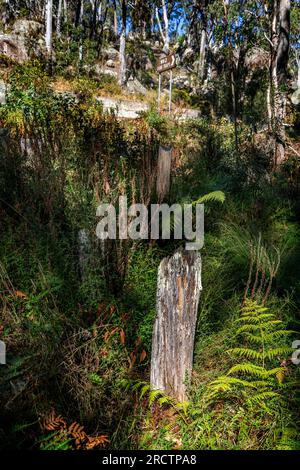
(111, 72)
(148, 65)
(110, 53)
(188, 53)
(295, 97)
(13, 47)
(182, 79)
(135, 86)
(123, 108)
(27, 27)
(110, 63)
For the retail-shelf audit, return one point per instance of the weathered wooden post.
(178, 292)
(163, 172)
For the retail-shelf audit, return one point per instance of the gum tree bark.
(280, 43)
(48, 20)
(164, 29)
(58, 18)
(202, 54)
(122, 50)
(178, 292)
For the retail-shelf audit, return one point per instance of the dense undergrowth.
(79, 335)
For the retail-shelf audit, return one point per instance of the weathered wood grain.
(163, 172)
(178, 292)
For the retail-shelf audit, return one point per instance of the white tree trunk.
(48, 20)
(115, 23)
(58, 19)
(164, 30)
(298, 75)
(122, 49)
(80, 52)
(122, 58)
(202, 54)
(178, 292)
(65, 10)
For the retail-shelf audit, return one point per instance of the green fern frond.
(253, 308)
(225, 381)
(269, 337)
(254, 319)
(246, 353)
(164, 400)
(284, 350)
(183, 407)
(255, 339)
(138, 385)
(215, 196)
(154, 395)
(249, 369)
(261, 397)
(260, 326)
(144, 390)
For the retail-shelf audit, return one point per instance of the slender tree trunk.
(298, 70)
(115, 20)
(166, 23)
(122, 50)
(164, 30)
(233, 68)
(80, 18)
(202, 54)
(234, 108)
(269, 105)
(48, 20)
(280, 39)
(65, 5)
(58, 20)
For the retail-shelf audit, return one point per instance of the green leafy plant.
(261, 374)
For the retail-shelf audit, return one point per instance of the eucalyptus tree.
(48, 26)
(278, 36)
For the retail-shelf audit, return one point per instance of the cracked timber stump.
(178, 292)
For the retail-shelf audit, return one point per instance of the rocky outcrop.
(14, 44)
(27, 27)
(123, 108)
(13, 47)
(295, 97)
(181, 79)
(134, 86)
(110, 53)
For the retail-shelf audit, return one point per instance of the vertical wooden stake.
(178, 292)
(170, 91)
(163, 172)
(159, 92)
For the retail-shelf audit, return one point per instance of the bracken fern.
(260, 375)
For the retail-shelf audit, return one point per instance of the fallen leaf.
(143, 355)
(122, 337)
(20, 294)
